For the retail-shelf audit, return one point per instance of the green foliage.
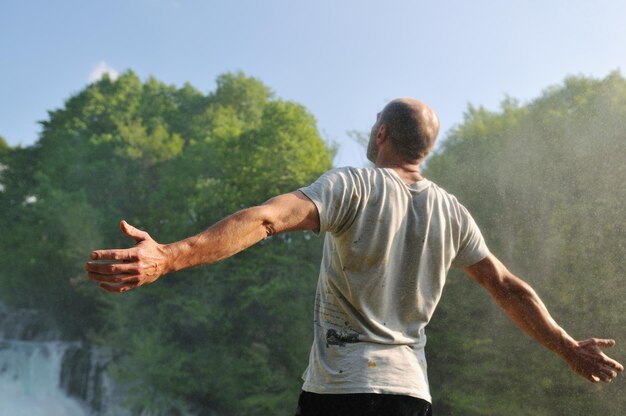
(4, 155)
(4, 147)
(233, 337)
(544, 182)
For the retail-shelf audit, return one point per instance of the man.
(391, 237)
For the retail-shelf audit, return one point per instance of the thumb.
(605, 343)
(134, 233)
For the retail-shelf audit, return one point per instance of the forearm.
(222, 240)
(522, 304)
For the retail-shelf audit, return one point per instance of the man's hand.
(132, 267)
(587, 359)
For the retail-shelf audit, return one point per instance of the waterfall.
(42, 375)
(29, 380)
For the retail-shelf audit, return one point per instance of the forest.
(544, 181)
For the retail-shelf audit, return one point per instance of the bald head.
(411, 127)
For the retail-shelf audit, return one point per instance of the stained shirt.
(387, 250)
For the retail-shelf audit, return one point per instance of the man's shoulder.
(455, 207)
(444, 193)
(437, 188)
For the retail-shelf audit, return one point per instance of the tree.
(232, 337)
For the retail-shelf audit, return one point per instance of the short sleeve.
(472, 246)
(336, 195)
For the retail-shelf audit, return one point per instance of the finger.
(598, 342)
(118, 288)
(112, 268)
(123, 254)
(604, 343)
(118, 278)
(592, 378)
(586, 374)
(614, 365)
(607, 375)
(132, 232)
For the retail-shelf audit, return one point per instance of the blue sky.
(342, 59)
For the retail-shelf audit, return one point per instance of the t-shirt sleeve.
(472, 246)
(336, 195)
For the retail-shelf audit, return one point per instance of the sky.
(342, 59)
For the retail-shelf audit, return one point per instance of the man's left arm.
(522, 304)
(148, 260)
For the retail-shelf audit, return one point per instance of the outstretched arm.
(520, 302)
(149, 260)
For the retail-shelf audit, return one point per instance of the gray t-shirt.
(387, 250)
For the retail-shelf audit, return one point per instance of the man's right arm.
(520, 302)
(148, 260)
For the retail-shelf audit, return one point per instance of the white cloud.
(102, 68)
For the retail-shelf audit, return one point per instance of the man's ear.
(381, 135)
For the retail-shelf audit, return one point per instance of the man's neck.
(408, 172)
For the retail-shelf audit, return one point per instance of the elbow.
(264, 216)
(269, 227)
(504, 286)
(511, 288)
